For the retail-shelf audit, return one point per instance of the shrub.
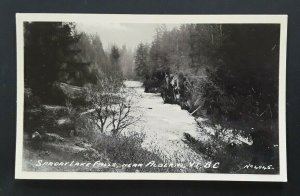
(127, 149)
(110, 106)
(30, 100)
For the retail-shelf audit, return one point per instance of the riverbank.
(163, 134)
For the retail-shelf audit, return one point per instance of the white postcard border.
(128, 18)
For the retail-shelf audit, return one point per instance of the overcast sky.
(129, 34)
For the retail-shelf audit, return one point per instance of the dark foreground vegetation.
(225, 73)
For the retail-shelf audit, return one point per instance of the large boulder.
(62, 92)
(55, 110)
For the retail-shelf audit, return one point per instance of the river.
(163, 126)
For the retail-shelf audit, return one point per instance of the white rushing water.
(163, 126)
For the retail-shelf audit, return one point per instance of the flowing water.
(163, 126)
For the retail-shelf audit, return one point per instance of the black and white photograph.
(151, 97)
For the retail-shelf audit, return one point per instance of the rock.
(201, 120)
(70, 91)
(63, 121)
(52, 137)
(55, 111)
(36, 136)
(65, 124)
(55, 108)
(63, 91)
(65, 127)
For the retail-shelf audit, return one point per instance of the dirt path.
(163, 126)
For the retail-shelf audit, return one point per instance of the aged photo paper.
(151, 97)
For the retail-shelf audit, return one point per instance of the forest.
(79, 103)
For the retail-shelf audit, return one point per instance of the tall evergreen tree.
(49, 56)
(141, 61)
(115, 61)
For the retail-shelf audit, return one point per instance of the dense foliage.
(226, 72)
(49, 56)
(56, 52)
